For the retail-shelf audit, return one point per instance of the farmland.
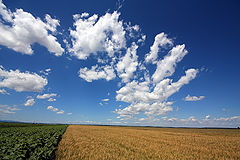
(112, 142)
(29, 141)
(41, 141)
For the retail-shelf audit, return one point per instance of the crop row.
(34, 142)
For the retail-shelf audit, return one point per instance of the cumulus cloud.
(160, 41)
(6, 13)
(51, 99)
(21, 81)
(92, 35)
(150, 97)
(3, 91)
(166, 67)
(106, 37)
(97, 72)
(46, 96)
(151, 102)
(148, 109)
(20, 29)
(60, 112)
(52, 108)
(127, 65)
(193, 98)
(140, 91)
(29, 102)
(115, 43)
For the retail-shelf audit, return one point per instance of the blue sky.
(120, 62)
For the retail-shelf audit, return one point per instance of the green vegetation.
(7, 124)
(29, 141)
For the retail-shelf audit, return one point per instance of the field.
(41, 141)
(112, 142)
(29, 141)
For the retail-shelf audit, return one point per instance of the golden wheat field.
(114, 142)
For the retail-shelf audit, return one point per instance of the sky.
(146, 63)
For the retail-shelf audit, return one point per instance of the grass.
(112, 142)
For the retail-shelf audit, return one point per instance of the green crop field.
(29, 141)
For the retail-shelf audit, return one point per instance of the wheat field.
(139, 143)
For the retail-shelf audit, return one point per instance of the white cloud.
(166, 67)
(52, 108)
(145, 92)
(105, 100)
(142, 119)
(207, 117)
(187, 121)
(140, 91)
(161, 40)
(3, 91)
(100, 104)
(205, 122)
(165, 90)
(60, 112)
(142, 39)
(6, 13)
(194, 98)
(46, 96)
(148, 109)
(21, 81)
(85, 14)
(93, 35)
(133, 30)
(29, 102)
(159, 108)
(24, 30)
(127, 65)
(133, 91)
(51, 99)
(105, 37)
(96, 72)
(151, 103)
(228, 119)
(5, 109)
(46, 71)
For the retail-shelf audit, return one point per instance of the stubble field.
(112, 142)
